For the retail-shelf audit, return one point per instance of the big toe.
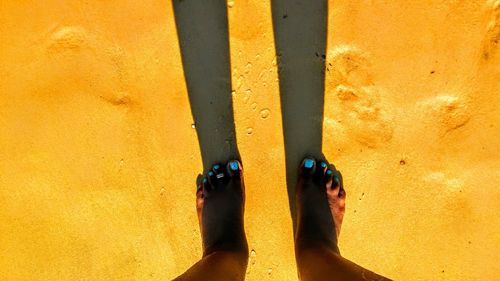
(234, 168)
(307, 167)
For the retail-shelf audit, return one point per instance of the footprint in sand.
(450, 111)
(355, 98)
(101, 65)
(67, 38)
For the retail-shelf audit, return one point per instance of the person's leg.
(220, 200)
(202, 28)
(300, 30)
(320, 200)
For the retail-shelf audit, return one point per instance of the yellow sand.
(98, 158)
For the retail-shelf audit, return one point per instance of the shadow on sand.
(202, 29)
(300, 29)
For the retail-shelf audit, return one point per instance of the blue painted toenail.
(329, 172)
(205, 180)
(234, 166)
(336, 180)
(308, 163)
(216, 167)
(323, 165)
(210, 173)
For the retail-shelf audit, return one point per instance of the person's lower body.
(202, 27)
(320, 199)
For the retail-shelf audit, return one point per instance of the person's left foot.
(220, 199)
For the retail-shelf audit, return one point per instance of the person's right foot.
(320, 201)
(220, 201)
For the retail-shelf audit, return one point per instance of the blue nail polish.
(204, 180)
(234, 166)
(308, 163)
(329, 172)
(210, 173)
(216, 167)
(336, 180)
(323, 165)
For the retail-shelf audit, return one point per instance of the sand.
(98, 156)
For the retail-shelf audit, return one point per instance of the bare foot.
(320, 200)
(220, 200)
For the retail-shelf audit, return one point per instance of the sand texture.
(98, 155)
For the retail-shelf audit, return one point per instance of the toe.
(206, 186)
(328, 178)
(200, 186)
(340, 183)
(336, 180)
(234, 168)
(199, 198)
(199, 183)
(211, 177)
(335, 186)
(332, 179)
(308, 167)
(219, 172)
(320, 171)
(200, 189)
(332, 187)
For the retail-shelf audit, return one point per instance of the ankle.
(238, 249)
(304, 246)
(237, 258)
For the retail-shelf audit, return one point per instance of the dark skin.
(320, 198)
(220, 200)
(300, 28)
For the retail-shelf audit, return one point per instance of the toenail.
(308, 163)
(323, 165)
(234, 166)
(336, 180)
(216, 167)
(205, 180)
(219, 176)
(329, 172)
(210, 173)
